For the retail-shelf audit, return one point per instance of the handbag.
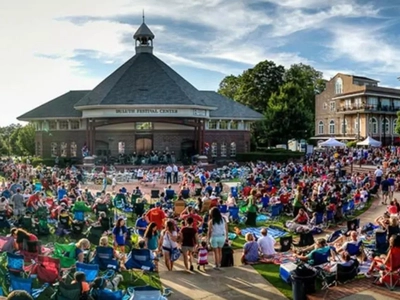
(175, 253)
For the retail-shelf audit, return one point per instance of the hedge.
(50, 162)
(262, 156)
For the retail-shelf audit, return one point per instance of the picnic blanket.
(278, 259)
(272, 231)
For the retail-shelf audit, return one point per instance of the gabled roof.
(143, 80)
(365, 78)
(60, 107)
(143, 31)
(228, 108)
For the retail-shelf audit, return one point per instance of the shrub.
(279, 156)
(351, 144)
(36, 161)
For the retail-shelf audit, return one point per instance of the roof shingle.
(60, 107)
(143, 80)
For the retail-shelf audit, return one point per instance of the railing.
(368, 107)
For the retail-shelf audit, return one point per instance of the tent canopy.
(369, 141)
(332, 143)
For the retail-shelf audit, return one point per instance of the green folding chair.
(66, 254)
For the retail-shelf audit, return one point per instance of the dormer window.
(339, 86)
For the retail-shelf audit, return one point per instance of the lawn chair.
(94, 234)
(66, 254)
(321, 259)
(179, 207)
(140, 260)
(330, 218)
(234, 213)
(391, 275)
(319, 220)
(16, 266)
(155, 194)
(104, 258)
(350, 208)
(353, 225)
(47, 269)
(276, 212)
(25, 284)
(355, 249)
(224, 211)
(381, 244)
(185, 194)
(286, 243)
(342, 275)
(4, 221)
(169, 194)
(66, 291)
(91, 270)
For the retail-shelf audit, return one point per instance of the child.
(202, 259)
(106, 287)
(119, 234)
(81, 278)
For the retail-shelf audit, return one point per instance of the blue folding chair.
(351, 207)
(145, 293)
(79, 216)
(104, 258)
(169, 194)
(234, 191)
(223, 209)
(91, 270)
(276, 212)
(38, 187)
(140, 260)
(354, 249)
(330, 218)
(319, 218)
(321, 258)
(15, 263)
(25, 284)
(185, 194)
(234, 213)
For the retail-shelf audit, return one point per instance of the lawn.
(271, 271)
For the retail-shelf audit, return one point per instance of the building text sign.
(146, 111)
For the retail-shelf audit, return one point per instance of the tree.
(287, 116)
(258, 84)
(26, 140)
(229, 86)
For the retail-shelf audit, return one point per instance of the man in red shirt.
(33, 200)
(190, 212)
(156, 215)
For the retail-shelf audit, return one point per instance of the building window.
(332, 127)
(332, 106)
(233, 149)
(224, 150)
(121, 147)
(214, 149)
(385, 125)
(396, 104)
(63, 149)
(212, 125)
(372, 103)
(339, 86)
(373, 126)
(144, 126)
(52, 125)
(344, 127)
(38, 149)
(394, 126)
(358, 102)
(54, 150)
(385, 104)
(63, 125)
(75, 125)
(223, 124)
(234, 125)
(347, 103)
(74, 149)
(321, 127)
(356, 128)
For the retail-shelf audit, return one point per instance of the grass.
(270, 272)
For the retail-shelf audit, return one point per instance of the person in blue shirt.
(209, 189)
(119, 235)
(106, 289)
(141, 225)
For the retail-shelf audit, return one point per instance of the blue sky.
(50, 47)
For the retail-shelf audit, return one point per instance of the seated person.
(321, 247)
(81, 246)
(266, 244)
(383, 262)
(250, 250)
(105, 243)
(104, 221)
(64, 220)
(154, 259)
(22, 236)
(230, 202)
(301, 218)
(81, 278)
(106, 287)
(341, 244)
(345, 260)
(137, 192)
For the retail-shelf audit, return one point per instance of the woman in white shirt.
(230, 202)
(168, 241)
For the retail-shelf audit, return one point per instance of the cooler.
(285, 269)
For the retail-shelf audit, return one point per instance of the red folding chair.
(391, 275)
(47, 269)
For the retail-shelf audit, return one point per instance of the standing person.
(156, 215)
(176, 172)
(113, 183)
(119, 235)
(251, 209)
(151, 236)
(189, 238)
(104, 183)
(385, 185)
(168, 242)
(298, 204)
(378, 175)
(202, 256)
(18, 204)
(217, 234)
(168, 174)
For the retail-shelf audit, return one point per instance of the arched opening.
(321, 127)
(339, 86)
(332, 127)
(373, 125)
(144, 145)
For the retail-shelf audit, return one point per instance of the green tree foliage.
(285, 97)
(287, 116)
(397, 129)
(18, 140)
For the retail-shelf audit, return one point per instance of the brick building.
(144, 105)
(354, 107)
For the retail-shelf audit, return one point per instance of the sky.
(49, 47)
